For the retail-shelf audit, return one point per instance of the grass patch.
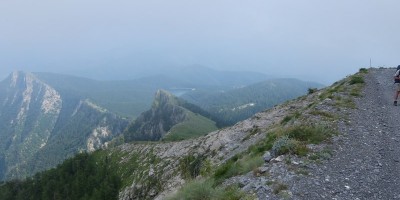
(198, 190)
(356, 91)
(190, 166)
(310, 134)
(288, 118)
(346, 103)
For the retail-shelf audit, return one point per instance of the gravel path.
(366, 161)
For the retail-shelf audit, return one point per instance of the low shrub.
(312, 90)
(363, 70)
(285, 145)
(282, 145)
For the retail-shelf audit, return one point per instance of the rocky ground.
(366, 157)
(362, 162)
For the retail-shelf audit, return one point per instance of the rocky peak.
(163, 98)
(156, 122)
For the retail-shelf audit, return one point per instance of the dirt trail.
(366, 161)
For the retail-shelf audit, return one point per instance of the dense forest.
(81, 177)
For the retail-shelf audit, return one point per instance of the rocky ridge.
(280, 176)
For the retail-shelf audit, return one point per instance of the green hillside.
(194, 126)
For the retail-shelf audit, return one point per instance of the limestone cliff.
(37, 122)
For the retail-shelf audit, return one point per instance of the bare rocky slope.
(359, 158)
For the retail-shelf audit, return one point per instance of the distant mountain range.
(229, 107)
(46, 118)
(130, 98)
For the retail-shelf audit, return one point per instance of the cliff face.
(34, 116)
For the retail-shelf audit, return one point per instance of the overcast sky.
(309, 39)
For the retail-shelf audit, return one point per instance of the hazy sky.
(308, 39)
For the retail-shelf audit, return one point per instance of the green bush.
(356, 80)
(282, 145)
(312, 90)
(363, 70)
